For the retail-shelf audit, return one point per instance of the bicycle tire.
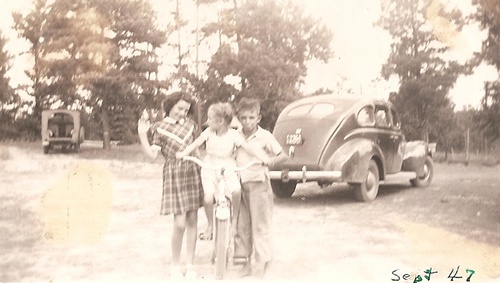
(221, 247)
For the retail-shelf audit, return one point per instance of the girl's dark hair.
(172, 99)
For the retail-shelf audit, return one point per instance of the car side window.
(382, 118)
(395, 119)
(365, 116)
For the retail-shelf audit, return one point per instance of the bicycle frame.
(222, 216)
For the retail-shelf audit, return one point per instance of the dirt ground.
(68, 219)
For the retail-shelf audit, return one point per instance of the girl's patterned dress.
(182, 190)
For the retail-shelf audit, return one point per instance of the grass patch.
(124, 153)
(131, 153)
(473, 158)
(4, 153)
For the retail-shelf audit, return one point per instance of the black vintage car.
(61, 128)
(352, 139)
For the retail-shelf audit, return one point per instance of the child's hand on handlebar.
(266, 161)
(180, 155)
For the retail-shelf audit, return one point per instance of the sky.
(360, 48)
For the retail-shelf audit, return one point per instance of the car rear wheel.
(283, 189)
(426, 179)
(367, 191)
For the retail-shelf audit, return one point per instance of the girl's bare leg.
(177, 235)
(191, 234)
(209, 211)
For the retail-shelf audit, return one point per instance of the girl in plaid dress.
(182, 190)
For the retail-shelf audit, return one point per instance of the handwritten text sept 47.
(428, 273)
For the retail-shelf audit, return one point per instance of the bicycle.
(222, 216)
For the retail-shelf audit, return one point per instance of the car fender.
(414, 157)
(353, 159)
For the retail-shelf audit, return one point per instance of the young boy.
(254, 222)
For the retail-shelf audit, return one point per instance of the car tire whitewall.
(426, 179)
(367, 190)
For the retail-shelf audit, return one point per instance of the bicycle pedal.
(240, 260)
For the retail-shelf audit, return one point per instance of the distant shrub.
(4, 153)
(486, 159)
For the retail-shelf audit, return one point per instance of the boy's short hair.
(247, 103)
(223, 110)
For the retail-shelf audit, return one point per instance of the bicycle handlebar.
(232, 168)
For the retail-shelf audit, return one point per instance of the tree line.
(102, 58)
(418, 59)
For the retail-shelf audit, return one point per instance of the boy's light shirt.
(262, 141)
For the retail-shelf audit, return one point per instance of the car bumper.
(305, 176)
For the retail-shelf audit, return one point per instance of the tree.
(98, 54)
(131, 76)
(417, 59)
(178, 41)
(265, 44)
(488, 15)
(9, 100)
(488, 116)
(466, 123)
(30, 27)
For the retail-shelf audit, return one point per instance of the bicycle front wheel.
(221, 247)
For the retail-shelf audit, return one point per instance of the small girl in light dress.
(221, 141)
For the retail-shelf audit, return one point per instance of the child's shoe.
(176, 272)
(190, 272)
(261, 268)
(246, 270)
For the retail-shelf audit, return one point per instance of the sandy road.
(114, 233)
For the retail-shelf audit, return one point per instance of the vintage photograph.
(250, 140)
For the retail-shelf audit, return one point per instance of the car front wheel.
(367, 190)
(282, 189)
(426, 179)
